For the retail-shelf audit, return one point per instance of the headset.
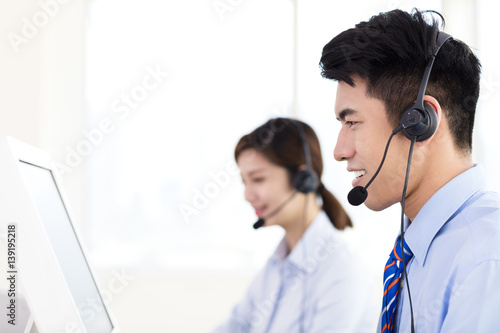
(418, 123)
(420, 119)
(305, 181)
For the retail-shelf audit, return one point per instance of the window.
(170, 88)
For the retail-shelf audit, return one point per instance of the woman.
(314, 281)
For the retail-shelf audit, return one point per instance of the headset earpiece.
(305, 181)
(419, 123)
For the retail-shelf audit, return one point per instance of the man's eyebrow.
(344, 113)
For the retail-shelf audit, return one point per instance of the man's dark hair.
(391, 51)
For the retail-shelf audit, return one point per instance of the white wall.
(41, 81)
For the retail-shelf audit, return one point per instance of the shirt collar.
(315, 236)
(442, 207)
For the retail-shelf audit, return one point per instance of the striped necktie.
(392, 277)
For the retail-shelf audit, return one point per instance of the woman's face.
(267, 186)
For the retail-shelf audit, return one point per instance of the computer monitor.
(45, 255)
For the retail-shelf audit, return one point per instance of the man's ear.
(434, 104)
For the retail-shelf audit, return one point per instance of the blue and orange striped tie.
(392, 277)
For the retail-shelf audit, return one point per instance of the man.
(452, 222)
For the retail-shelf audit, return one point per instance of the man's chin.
(376, 205)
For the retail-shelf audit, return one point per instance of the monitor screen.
(67, 249)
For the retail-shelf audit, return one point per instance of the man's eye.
(258, 180)
(349, 123)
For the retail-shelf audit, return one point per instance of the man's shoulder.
(483, 214)
(480, 222)
(488, 200)
(472, 235)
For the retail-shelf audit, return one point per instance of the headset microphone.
(359, 194)
(260, 222)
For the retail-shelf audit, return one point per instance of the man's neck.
(437, 175)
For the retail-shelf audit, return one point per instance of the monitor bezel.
(49, 298)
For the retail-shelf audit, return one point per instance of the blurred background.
(141, 104)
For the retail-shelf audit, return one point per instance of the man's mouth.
(359, 173)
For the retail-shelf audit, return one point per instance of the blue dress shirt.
(321, 286)
(454, 275)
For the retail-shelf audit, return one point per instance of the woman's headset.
(305, 181)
